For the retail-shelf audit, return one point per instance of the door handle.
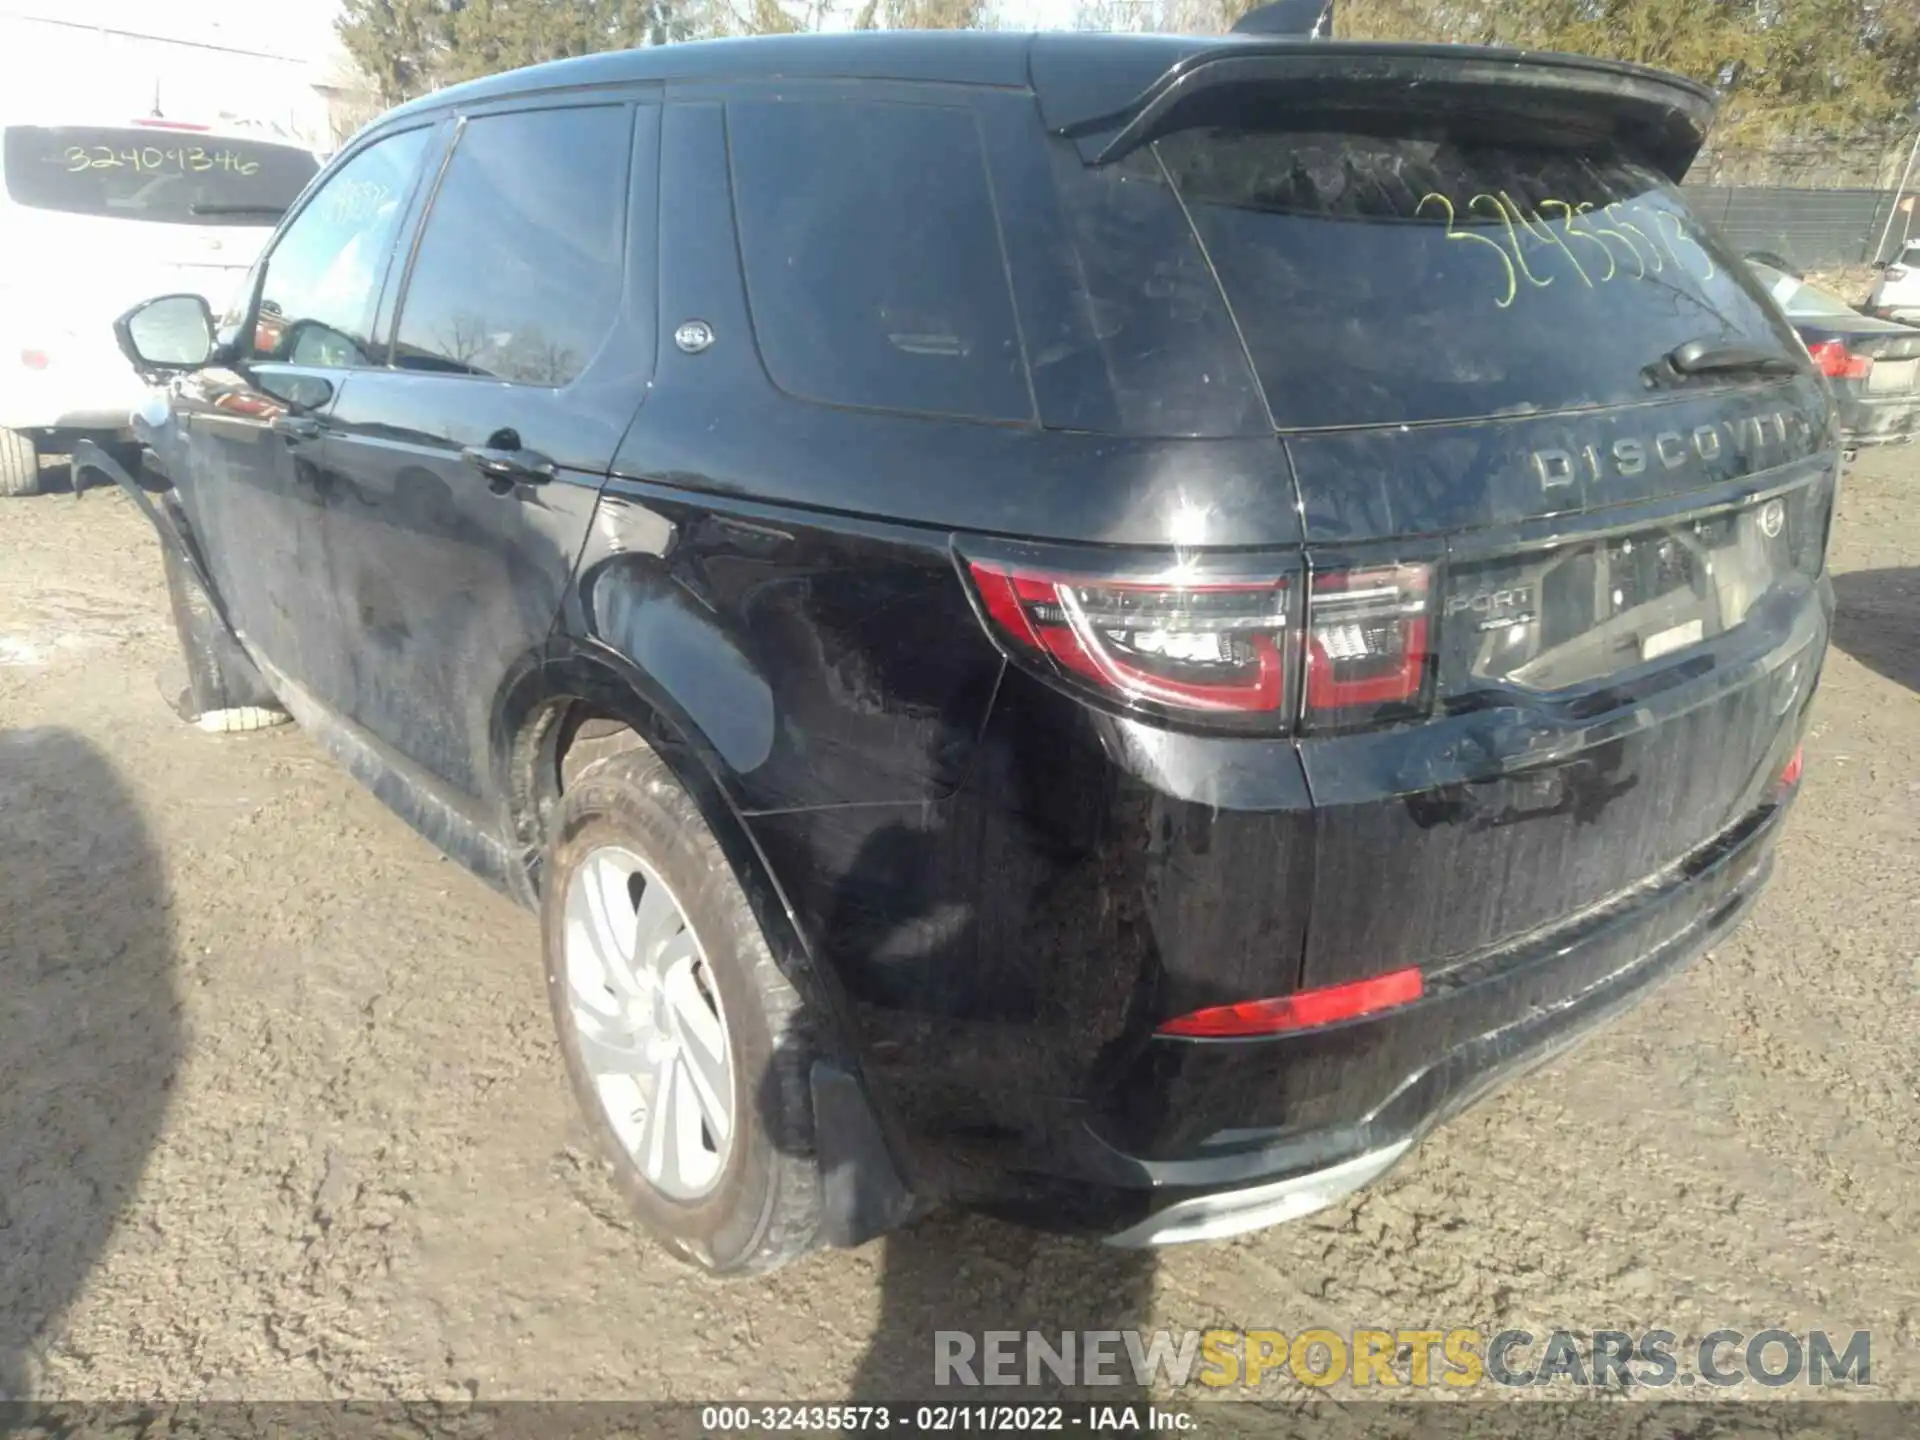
(508, 466)
(297, 427)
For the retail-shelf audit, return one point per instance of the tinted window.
(324, 276)
(1154, 351)
(520, 267)
(1382, 278)
(156, 175)
(873, 259)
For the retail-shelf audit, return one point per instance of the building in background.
(277, 67)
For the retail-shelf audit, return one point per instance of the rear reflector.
(1791, 774)
(1836, 362)
(1304, 1011)
(1189, 646)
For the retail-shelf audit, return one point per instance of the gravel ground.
(280, 1114)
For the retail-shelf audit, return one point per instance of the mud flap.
(864, 1196)
(224, 689)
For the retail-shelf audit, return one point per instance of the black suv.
(1104, 628)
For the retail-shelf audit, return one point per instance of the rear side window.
(521, 265)
(873, 261)
(172, 177)
(1384, 277)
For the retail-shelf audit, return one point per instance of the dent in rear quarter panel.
(820, 667)
(1004, 949)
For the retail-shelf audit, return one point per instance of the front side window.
(323, 279)
(521, 265)
(873, 261)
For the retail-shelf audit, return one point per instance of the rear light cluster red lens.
(1226, 650)
(1201, 647)
(1836, 362)
(1303, 1011)
(1367, 644)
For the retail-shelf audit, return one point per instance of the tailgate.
(1563, 469)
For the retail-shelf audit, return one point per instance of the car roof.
(1088, 83)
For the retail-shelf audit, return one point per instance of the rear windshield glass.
(1796, 297)
(155, 175)
(1381, 278)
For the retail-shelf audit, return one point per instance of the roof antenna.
(1306, 19)
(158, 114)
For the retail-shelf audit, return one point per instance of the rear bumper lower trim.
(1235, 1212)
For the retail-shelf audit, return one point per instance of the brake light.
(1368, 644)
(35, 359)
(154, 122)
(1836, 362)
(1190, 646)
(1304, 1011)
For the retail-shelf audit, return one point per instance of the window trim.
(457, 125)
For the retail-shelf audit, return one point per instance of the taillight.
(1302, 1011)
(35, 359)
(1369, 645)
(1836, 362)
(1194, 647)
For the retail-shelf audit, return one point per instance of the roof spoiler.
(1162, 84)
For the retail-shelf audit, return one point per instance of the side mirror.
(167, 335)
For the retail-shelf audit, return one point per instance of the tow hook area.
(225, 692)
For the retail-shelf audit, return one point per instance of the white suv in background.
(1896, 294)
(93, 218)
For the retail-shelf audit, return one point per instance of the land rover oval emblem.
(1773, 519)
(693, 336)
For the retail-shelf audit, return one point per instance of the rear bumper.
(1885, 421)
(1480, 1026)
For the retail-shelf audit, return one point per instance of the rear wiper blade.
(1703, 357)
(236, 209)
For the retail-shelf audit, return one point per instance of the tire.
(764, 1207)
(19, 464)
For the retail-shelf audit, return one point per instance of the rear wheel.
(685, 1044)
(19, 464)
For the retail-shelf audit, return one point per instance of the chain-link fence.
(1820, 204)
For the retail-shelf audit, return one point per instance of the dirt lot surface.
(280, 1114)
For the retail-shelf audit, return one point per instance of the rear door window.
(872, 254)
(172, 177)
(1388, 277)
(523, 258)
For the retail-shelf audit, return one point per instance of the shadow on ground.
(90, 1036)
(1878, 622)
(966, 1274)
